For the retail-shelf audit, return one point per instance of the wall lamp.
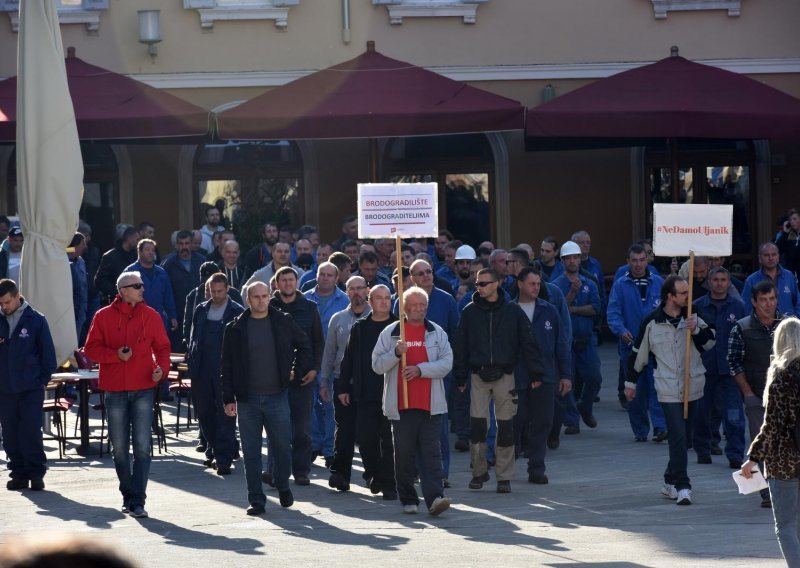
(150, 30)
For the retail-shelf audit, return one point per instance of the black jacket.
(291, 346)
(304, 312)
(494, 335)
(194, 299)
(112, 264)
(351, 373)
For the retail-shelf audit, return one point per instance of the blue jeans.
(645, 402)
(720, 392)
(586, 364)
(255, 414)
(300, 404)
(322, 423)
(131, 412)
(679, 431)
(785, 495)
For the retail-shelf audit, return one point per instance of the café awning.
(110, 106)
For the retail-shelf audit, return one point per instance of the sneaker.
(439, 505)
(462, 445)
(125, 509)
(538, 478)
(338, 482)
(704, 459)
(37, 484)
(553, 442)
(572, 429)
(684, 497)
(477, 482)
(138, 512)
(224, 469)
(735, 464)
(410, 509)
(17, 484)
(301, 480)
(716, 450)
(266, 477)
(255, 510)
(201, 447)
(668, 490)
(504, 487)
(660, 436)
(286, 498)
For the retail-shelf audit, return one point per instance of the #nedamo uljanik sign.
(679, 229)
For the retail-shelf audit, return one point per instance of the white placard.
(705, 229)
(386, 210)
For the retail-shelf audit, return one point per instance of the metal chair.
(58, 406)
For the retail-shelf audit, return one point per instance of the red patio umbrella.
(671, 99)
(110, 106)
(367, 97)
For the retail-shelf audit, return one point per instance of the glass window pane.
(227, 190)
(731, 185)
(468, 208)
(661, 185)
(411, 178)
(98, 209)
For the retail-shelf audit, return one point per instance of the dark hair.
(636, 248)
(523, 274)
(209, 208)
(522, 254)
(144, 224)
(77, 239)
(8, 286)
(183, 234)
(484, 251)
(128, 232)
(6, 220)
(140, 245)
(478, 260)
(552, 241)
(349, 243)
(668, 287)
(268, 224)
(405, 248)
(367, 256)
(348, 219)
(207, 269)
(762, 288)
(446, 233)
(306, 230)
(218, 278)
(285, 270)
(491, 272)
(339, 259)
(286, 229)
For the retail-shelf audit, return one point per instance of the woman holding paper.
(776, 445)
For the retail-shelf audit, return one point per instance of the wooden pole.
(401, 313)
(688, 361)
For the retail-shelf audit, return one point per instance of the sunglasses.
(137, 286)
(484, 284)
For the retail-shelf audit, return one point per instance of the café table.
(83, 377)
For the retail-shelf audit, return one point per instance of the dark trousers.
(374, 438)
(344, 438)
(301, 400)
(460, 412)
(679, 433)
(416, 444)
(21, 421)
(541, 408)
(560, 403)
(219, 430)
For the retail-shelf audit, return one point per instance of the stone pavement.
(601, 508)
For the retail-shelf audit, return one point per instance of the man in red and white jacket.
(124, 339)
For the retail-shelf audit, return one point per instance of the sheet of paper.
(748, 486)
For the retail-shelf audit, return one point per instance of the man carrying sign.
(661, 334)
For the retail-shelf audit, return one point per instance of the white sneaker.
(668, 490)
(439, 505)
(410, 509)
(685, 497)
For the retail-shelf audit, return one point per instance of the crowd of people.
(305, 340)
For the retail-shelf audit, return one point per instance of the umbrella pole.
(401, 313)
(674, 170)
(373, 164)
(688, 360)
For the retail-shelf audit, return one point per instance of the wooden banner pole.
(688, 359)
(401, 313)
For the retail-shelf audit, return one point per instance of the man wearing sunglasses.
(492, 336)
(124, 338)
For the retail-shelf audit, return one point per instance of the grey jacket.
(335, 343)
(440, 362)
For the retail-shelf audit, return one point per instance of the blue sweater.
(582, 326)
(788, 301)
(27, 354)
(157, 291)
(722, 320)
(625, 307)
(554, 345)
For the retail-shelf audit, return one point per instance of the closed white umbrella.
(49, 170)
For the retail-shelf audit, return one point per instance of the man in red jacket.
(123, 339)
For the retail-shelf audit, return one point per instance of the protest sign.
(397, 209)
(706, 230)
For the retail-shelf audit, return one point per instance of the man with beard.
(260, 255)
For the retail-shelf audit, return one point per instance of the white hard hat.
(570, 248)
(465, 252)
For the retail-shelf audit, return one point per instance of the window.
(256, 181)
(661, 7)
(399, 9)
(211, 11)
(69, 12)
(463, 166)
